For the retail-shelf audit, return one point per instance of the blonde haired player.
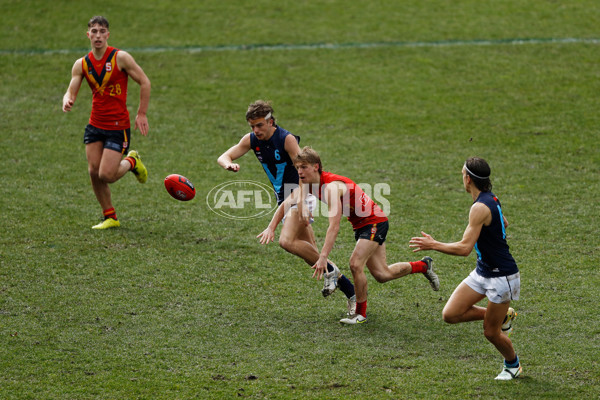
(345, 198)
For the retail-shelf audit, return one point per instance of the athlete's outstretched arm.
(477, 216)
(74, 85)
(226, 160)
(333, 197)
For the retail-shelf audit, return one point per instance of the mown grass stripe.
(312, 46)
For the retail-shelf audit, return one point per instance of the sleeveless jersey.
(109, 91)
(276, 162)
(356, 205)
(493, 256)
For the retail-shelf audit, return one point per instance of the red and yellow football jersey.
(357, 205)
(109, 91)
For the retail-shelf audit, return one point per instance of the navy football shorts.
(374, 232)
(115, 140)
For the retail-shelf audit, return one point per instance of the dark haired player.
(107, 136)
(275, 148)
(496, 275)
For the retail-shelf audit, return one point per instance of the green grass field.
(181, 303)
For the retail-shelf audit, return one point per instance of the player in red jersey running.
(370, 224)
(107, 136)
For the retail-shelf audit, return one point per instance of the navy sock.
(512, 364)
(329, 267)
(346, 286)
(343, 283)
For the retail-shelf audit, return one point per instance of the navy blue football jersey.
(493, 256)
(276, 162)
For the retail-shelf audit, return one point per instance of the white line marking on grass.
(313, 46)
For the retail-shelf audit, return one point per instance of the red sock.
(110, 213)
(131, 161)
(361, 308)
(418, 267)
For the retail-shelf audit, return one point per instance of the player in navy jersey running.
(496, 275)
(275, 148)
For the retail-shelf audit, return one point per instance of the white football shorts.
(310, 202)
(498, 290)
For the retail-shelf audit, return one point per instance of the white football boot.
(354, 319)
(330, 280)
(508, 374)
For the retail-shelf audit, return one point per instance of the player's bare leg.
(492, 329)
(112, 166)
(382, 272)
(94, 153)
(363, 251)
(461, 306)
(298, 239)
(105, 166)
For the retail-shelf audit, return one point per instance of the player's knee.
(286, 243)
(491, 334)
(355, 267)
(449, 318)
(107, 177)
(93, 171)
